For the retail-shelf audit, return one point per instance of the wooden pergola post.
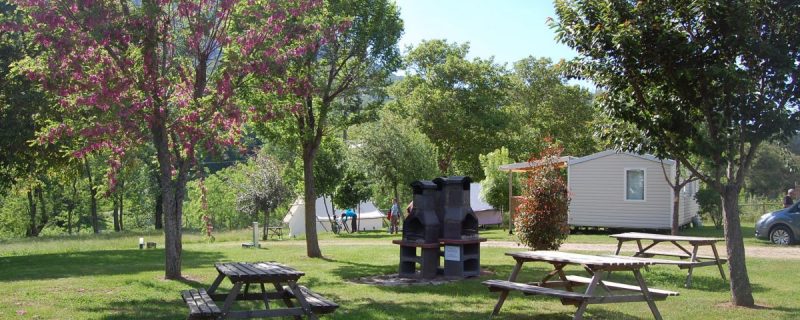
(510, 197)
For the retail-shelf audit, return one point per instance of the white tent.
(485, 213)
(370, 218)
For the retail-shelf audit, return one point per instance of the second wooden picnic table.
(690, 259)
(282, 278)
(596, 266)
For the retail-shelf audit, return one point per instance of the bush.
(541, 221)
(710, 205)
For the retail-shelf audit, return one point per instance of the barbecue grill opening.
(413, 229)
(469, 227)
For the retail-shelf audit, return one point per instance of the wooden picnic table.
(275, 231)
(689, 259)
(281, 278)
(595, 266)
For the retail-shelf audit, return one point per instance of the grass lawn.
(108, 277)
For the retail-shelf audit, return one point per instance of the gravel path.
(769, 252)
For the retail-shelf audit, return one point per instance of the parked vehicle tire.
(781, 235)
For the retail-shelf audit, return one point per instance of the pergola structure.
(525, 167)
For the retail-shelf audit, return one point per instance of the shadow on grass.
(464, 309)
(89, 263)
(142, 309)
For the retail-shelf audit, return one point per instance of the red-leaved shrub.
(541, 221)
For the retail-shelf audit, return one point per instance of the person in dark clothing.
(788, 200)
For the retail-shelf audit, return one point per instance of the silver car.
(780, 227)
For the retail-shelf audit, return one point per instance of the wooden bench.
(567, 297)
(657, 294)
(319, 304)
(200, 305)
(681, 255)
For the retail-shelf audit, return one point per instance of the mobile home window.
(634, 184)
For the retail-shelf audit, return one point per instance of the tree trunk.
(676, 198)
(31, 232)
(265, 227)
(170, 194)
(73, 204)
(312, 244)
(121, 188)
(92, 197)
(676, 209)
(45, 217)
(115, 214)
(741, 291)
(159, 224)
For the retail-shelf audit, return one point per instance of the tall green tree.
(701, 78)
(352, 61)
(392, 152)
(542, 104)
(456, 102)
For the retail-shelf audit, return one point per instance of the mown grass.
(108, 277)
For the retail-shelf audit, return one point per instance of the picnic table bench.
(275, 231)
(202, 302)
(595, 266)
(689, 259)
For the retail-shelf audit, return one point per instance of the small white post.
(141, 243)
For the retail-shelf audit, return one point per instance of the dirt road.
(768, 252)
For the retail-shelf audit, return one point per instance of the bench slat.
(681, 255)
(658, 261)
(617, 285)
(200, 304)
(319, 304)
(532, 289)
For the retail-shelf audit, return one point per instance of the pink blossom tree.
(164, 72)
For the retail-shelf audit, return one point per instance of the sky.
(509, 30)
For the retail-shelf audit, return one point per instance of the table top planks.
(577, 258)
(258, 272)
(663, 237)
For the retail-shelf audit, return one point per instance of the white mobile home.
(625, 190)
(613, 189)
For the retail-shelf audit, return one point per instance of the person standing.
(395, 211)
(788, 200)
(353, 224)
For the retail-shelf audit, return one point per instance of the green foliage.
(455, 101)
(542, 104)
(710, 205)
(691, 76)
(541, 220)
(774, 171)
(13, 214)
(392, 153)
(353, 190)
(329, 166)
(221, 190)
(494, 188)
